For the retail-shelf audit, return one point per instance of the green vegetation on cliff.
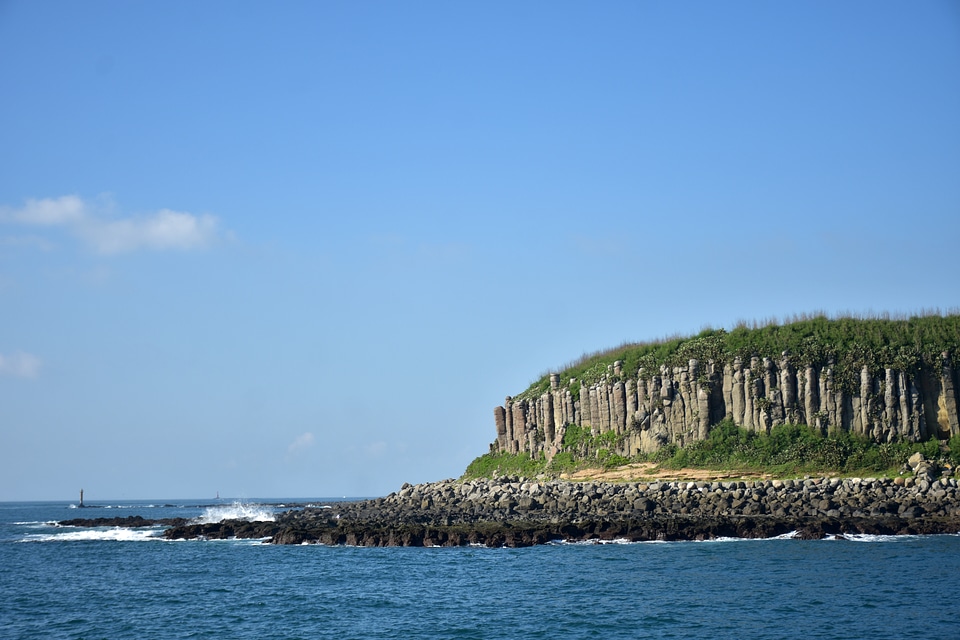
(848, 342)
(837, 349)
(787, 451)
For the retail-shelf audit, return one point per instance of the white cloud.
(20, 365)
(50, 212)
(105, 234)
(164, 230)
(300, 443)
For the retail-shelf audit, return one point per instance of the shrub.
(563, 462)
(519, 464)
(793, 448)
(954, 445)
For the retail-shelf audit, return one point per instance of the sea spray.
(237, 510)
(103, 535)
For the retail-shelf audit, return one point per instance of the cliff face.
(649, 410)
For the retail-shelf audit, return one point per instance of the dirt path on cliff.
(651, 472)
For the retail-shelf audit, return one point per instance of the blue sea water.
(60, 582)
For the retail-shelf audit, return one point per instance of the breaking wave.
(869, 537)
(236, 511)
(114, 535)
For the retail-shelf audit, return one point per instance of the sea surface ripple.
(141, 586)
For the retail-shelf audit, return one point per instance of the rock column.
(500, 418)
(947, 405)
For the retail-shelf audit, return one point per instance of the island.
(812, 428)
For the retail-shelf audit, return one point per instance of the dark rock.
(510, 513)
(127, 522)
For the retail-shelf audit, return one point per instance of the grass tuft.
(848, 341)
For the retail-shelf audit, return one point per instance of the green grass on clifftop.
(850, 342)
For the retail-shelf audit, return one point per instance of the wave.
(783, 536)
(869, 537)
(597, 541)
(242, 542)
(236, 511)
(793, 535)
(114, 535)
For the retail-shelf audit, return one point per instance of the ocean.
(58, 582)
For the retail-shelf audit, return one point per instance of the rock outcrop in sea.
(517, 512)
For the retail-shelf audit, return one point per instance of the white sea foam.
(783, 536)
(597, 541)
(786, 536)
(868, 537)
(236, 511)
(116, 534)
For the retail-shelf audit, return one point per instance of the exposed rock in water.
(511, 512)
(127, 522)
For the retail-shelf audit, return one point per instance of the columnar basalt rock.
(739, 398)
(890, 429)
(788, 386)
(863, 427)
(811, 398)
(947, 402)
(500, 418)
(703, 413)
(630, 388)
(619, 407)
(728, 390)
(717, 402)
(583, 406)
(519, 424)
(828, 403)
(548, 424)
(679, 405)
(603, 398)
(596, 419)
(758, 396)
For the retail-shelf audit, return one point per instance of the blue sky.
(304, 248)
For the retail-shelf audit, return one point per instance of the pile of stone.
(518, 512)
(452, 502)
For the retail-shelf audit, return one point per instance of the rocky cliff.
(679, 403)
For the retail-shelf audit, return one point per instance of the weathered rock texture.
(679, 405)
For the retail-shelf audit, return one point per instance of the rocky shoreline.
(514, 512)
